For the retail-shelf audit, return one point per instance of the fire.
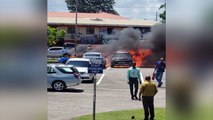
(139, 55)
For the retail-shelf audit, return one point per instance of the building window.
(109, 31)
(71, 30)
(90, 30)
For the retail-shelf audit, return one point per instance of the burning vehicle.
(126, 46)
(121, 58)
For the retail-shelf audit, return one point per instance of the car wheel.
(93, 80)
(104, 66)
(112, 65)
(59, 86)
(66, 55)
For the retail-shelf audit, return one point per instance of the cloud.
(57, 6)
(138, 9)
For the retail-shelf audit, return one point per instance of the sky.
(135, 9)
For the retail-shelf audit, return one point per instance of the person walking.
(159, 70)
(148, 90)
(133, 76)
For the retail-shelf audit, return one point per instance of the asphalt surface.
(112, 94)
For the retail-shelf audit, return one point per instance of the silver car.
(93, 56)
(60, 76)
(59, 52)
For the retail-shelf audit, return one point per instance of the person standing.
(133, 75)
(159, 70)
(148, 90)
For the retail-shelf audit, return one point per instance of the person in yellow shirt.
(148, 90)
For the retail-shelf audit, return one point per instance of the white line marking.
(108, 68)
(99, 81)
(142, 80)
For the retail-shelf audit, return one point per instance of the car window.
(55, 48)
(121, 55)
(68, 70)
(78, 63)
(69, 45)
(50, 70)
(75, 70)
(92, 55)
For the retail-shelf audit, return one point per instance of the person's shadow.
(72, 90)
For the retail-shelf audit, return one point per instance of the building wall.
(62, 28)
(82, 30)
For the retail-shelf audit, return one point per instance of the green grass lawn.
(124, 115)
(52, 60)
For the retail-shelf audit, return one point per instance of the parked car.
(121, 59)
(60, 77)
(69, 45)
(82, 65)
(93, 56)
(58, 52)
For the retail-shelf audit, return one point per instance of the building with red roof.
(92, 26)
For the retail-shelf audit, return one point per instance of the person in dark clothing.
(159, 70)
(133, 75)
(148, 91)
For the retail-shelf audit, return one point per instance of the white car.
(82, 65)
(58, 52)
(95, 55)
(60, 76)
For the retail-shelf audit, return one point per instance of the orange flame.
(139, 55)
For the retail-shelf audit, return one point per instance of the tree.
(92, 6)
(54, 35)
(163, 14)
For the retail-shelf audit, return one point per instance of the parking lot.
(112, 94)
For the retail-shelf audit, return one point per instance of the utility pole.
(76, 22)
(156, 16)
(94, 99)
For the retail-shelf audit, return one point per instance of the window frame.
(90, 30)
(71, 30)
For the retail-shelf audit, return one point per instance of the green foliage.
(53, 35)
(163, 14)
(92, 6)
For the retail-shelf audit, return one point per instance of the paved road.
(112, 94)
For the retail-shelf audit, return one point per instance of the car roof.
(56, 47)
(69, 43)
(78, 59)
(59, 65)
(121, 51)
(92, 53)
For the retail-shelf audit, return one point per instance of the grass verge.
(124, 115)
(52, 60)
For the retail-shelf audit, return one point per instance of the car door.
(55, 52)
(51, 73)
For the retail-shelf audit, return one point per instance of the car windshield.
(68, 70)
(55, 48)
(121, 55)
(92, 55)
(78, 63)
(69, 45)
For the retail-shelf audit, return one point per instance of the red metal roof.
(85, 15)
